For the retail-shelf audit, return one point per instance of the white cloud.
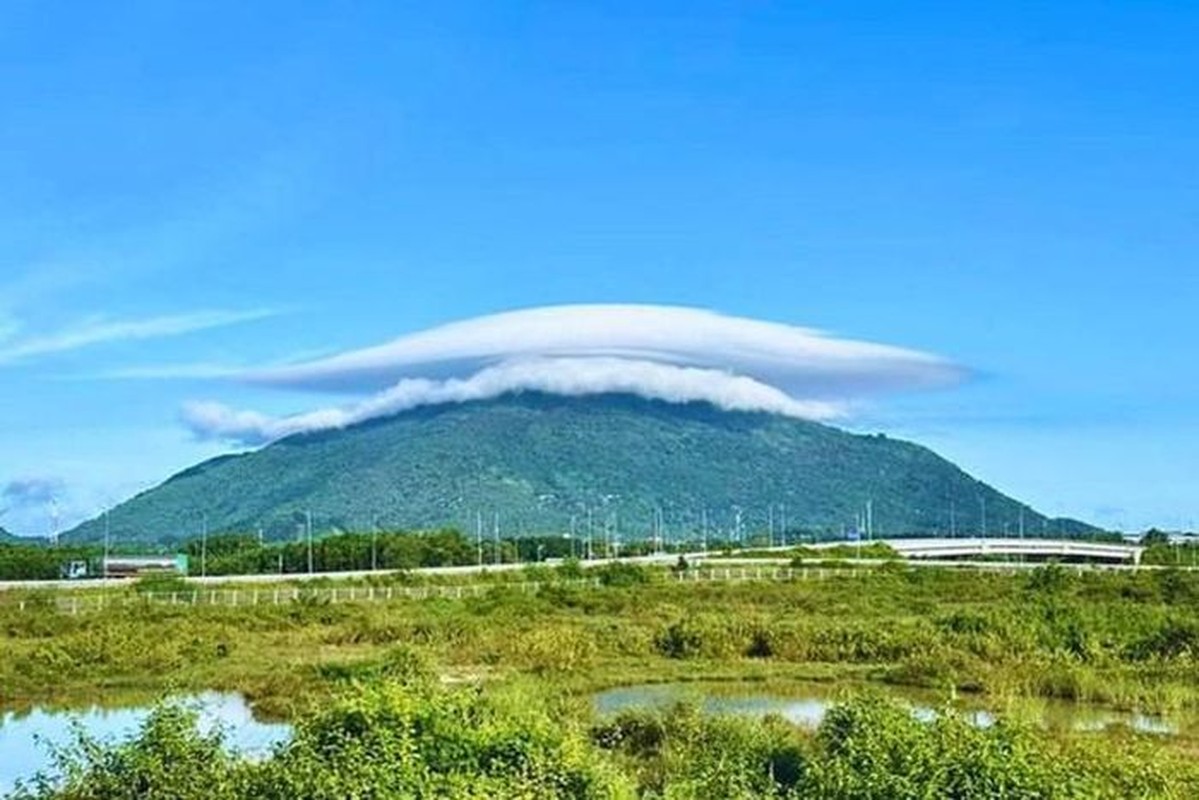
(660, 352)
(101, 330)
(797, 360)
(562, 376)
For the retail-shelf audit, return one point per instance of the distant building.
(73, 570)
(135, 566)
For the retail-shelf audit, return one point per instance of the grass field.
(1130, 640)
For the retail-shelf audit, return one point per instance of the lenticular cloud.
(659, 352)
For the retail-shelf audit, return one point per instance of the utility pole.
(107, 539)
(661, 530)
(374, 544)
(982, 499)
(495, 535)
(54, 521)
(770, 526)
(308, 528)
(204, 545)
(479, 537)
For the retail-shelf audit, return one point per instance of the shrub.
(621, 573)
(679, 640)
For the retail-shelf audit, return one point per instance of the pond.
(26, 738)
(805, 704)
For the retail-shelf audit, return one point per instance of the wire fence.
(83, 602)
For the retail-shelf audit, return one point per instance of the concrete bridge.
(945, 548)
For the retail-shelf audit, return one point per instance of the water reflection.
(806, 705)
(27, 738)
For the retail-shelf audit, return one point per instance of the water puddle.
(806, 705)
(27, 738)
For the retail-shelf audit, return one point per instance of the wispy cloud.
(147, 372)
(196, 370)
(104, 330)
(570, 377)
(660, 352)
(33, 489)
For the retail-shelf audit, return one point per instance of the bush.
(622, 574)
(571, 569)
(679, 640)
(168, 759)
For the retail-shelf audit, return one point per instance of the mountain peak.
(533, 461)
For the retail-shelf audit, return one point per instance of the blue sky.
(193, 188)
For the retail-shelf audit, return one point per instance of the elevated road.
(946, 548)
(931, 551)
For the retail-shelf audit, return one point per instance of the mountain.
(532, 461)
(7, 537)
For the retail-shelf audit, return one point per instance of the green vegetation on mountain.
(535, 463)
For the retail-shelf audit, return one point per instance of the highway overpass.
(947, 548)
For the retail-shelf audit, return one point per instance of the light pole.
(374, 544)
(590, 534)
(204, 546)
(308, 527)
(479, 537)
(107, 539)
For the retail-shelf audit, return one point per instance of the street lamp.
(374, 544)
